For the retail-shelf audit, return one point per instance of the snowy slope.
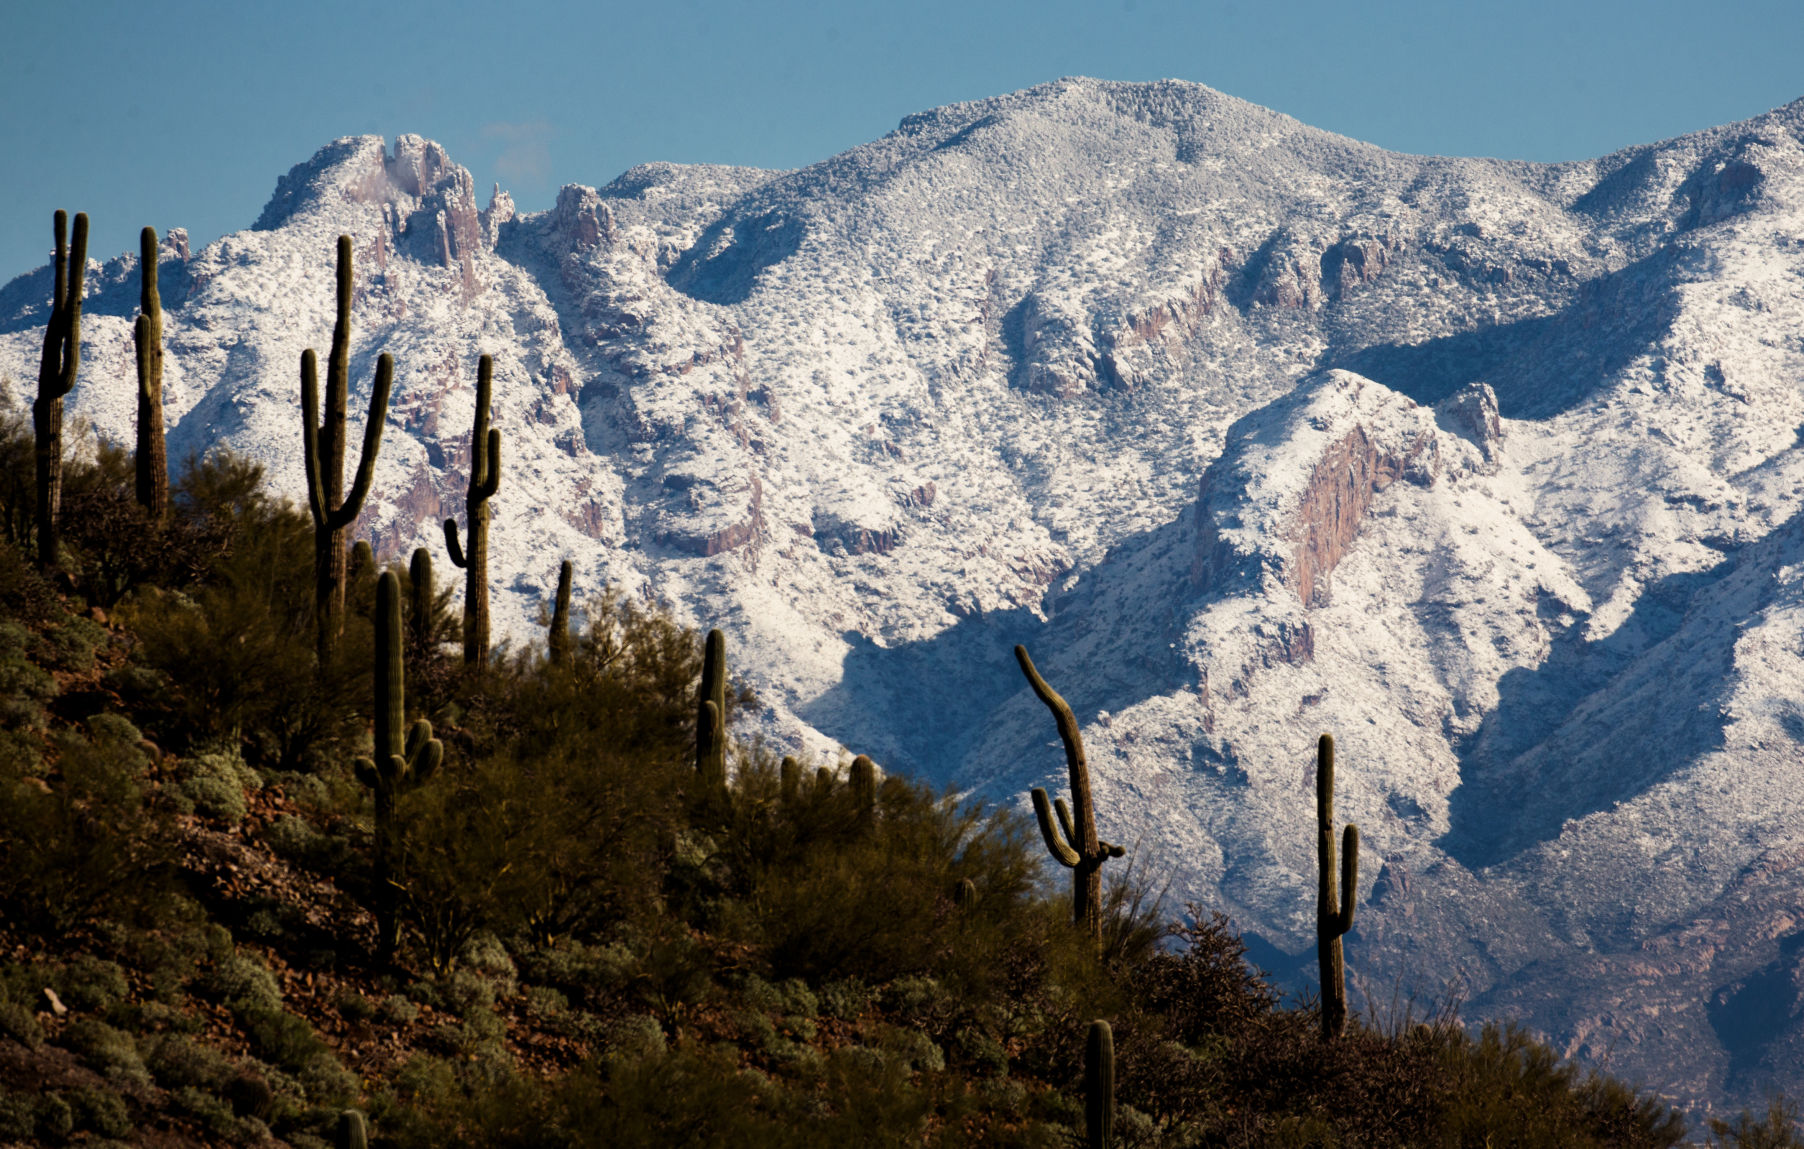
(1250, 431)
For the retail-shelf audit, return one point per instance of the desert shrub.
(1778, 1129)
(284, 1039)
(106, 1050)
(24, 685)
(86, 845)
(19, 1022)
(243, 985)
(92, 984)
(214, 783)
(178, 1061)
(99, 1111)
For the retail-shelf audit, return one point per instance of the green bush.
(106, 1050)
(100, 1112)
(178, 1061)
(86, 846)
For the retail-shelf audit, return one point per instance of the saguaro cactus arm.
(1059, 838)
(453, 546)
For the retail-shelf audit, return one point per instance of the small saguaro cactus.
(56, 377)
(399, 764)
(861, 779)
(152, 462)
(1077, 848)
(423, 604)
(789, 781)
(363, 559)
(353, 1132)
(711, 716)
(558, 642)
(1333, 914)
(965, 894)
(1099, 1086)
(485, 480)
(323, 446)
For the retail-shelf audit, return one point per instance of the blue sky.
(184, 114)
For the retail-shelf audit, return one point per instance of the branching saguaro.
(324, 447)
(56, 377)
(147, 335)
(1333, 914)
(400, 763)
(485, 480)
(1072, 843)
(711, 717)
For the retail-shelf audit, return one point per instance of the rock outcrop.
(1286, 498)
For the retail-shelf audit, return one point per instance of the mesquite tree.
(56, 376)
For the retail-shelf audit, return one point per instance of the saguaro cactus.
(558, 642)
(485, 479)
(861, 779)
(152, 463)
(421, 611)
(400, 764)
(352, 1131)
(1333, 915)
(1099, 1086)
(789, 781)
(323, 445)
(711, 716)
(1077, 848)
(56, 376)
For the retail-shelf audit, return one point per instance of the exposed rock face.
(1471, 412)
(1286, 498)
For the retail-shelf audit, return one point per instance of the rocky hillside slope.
(1250, 431)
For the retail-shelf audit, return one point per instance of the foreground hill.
(1255, 431)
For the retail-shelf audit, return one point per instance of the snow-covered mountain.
(1248, 430)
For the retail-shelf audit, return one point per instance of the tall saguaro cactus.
(400, 763)
(1333, 914)
(1077, 848)
(324, 447)
(485, 480)
(558, 641)
(147, 335)
(1099, 1086)
(56, 377)
(711, 716)
(420, 616)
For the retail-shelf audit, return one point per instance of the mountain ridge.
(883, 416)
